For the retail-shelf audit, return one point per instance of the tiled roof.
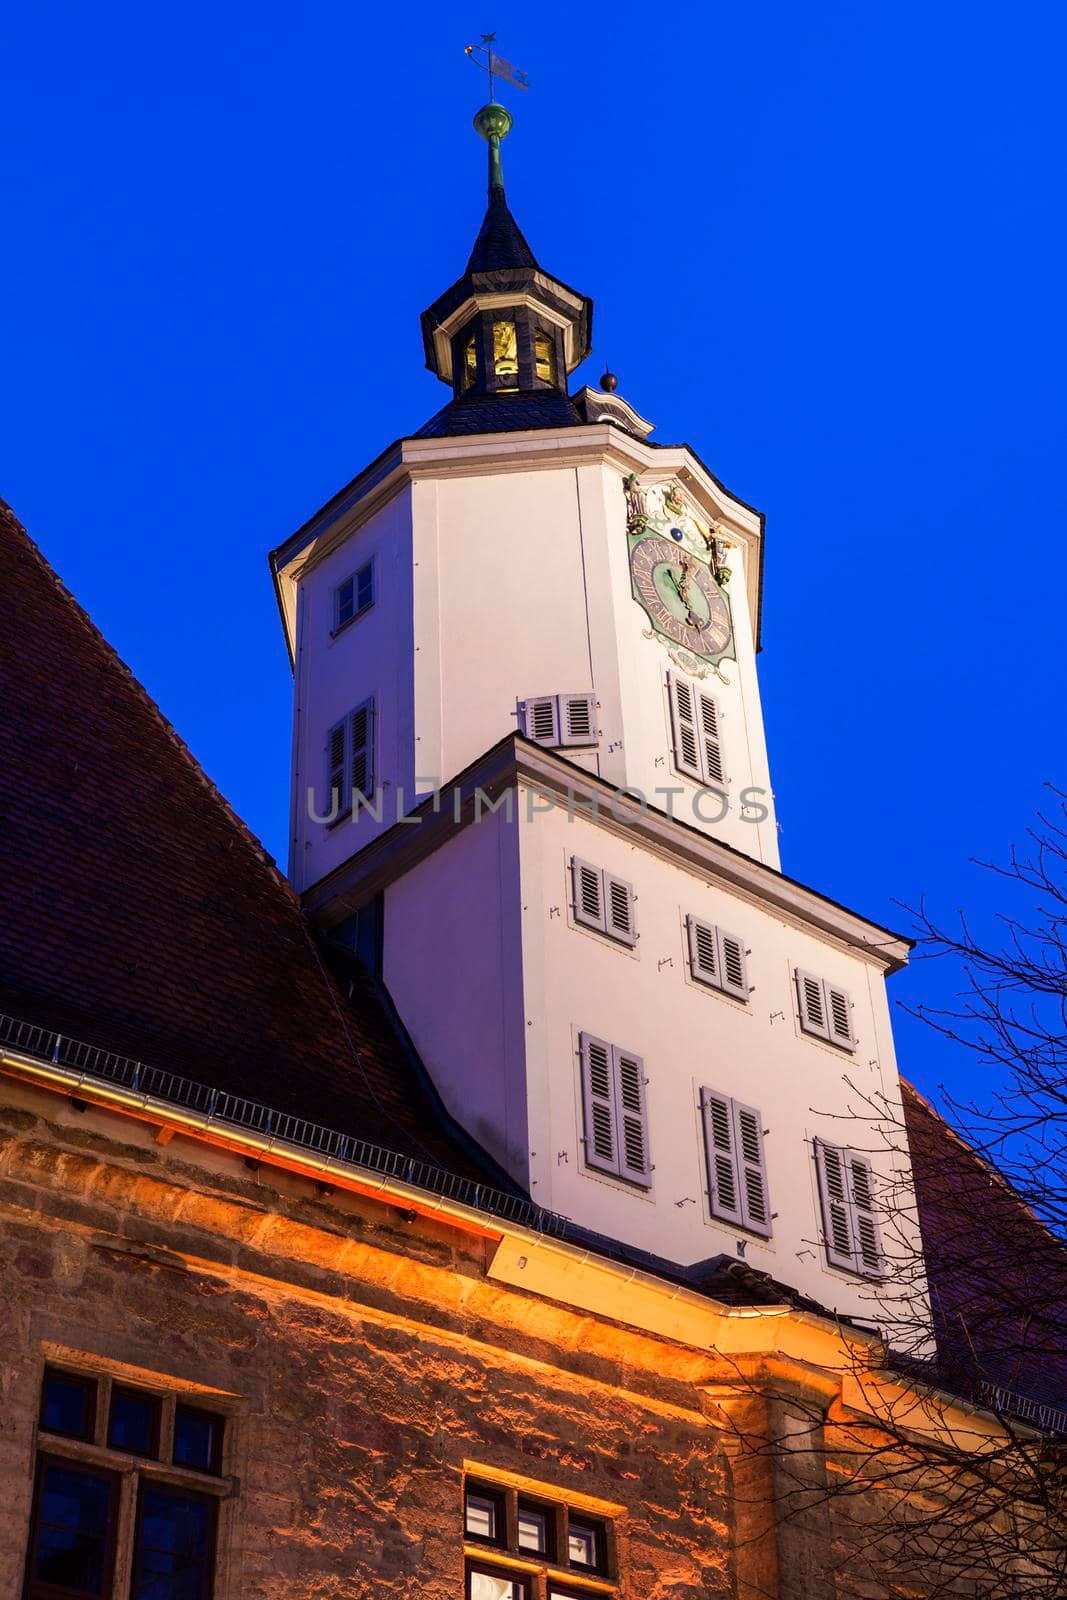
(501, 413)
(997, 1276)
(140, 914)
(500, 243)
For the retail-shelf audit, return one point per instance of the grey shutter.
(684, 727)
(577, 719)
(812, 1001)
(732, 973)
(588, 885)
(335, 769)
(724, 1192)
(362, 749)
(632, 1120)
(619, 909)
(598, 1101)
(710, 745)
(839, 1016)
(752, 1169)
(866, 1234)
(703, 951)
(836, 1205)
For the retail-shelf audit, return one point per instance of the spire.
(500, 243)
(506, 327)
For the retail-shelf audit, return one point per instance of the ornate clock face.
(682, 599)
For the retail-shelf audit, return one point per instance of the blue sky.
(825, 245)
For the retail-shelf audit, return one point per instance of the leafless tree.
(972, 1316)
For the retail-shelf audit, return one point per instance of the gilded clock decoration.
(677, 573)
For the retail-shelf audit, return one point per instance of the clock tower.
(531, 791)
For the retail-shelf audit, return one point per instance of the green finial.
(493, 122)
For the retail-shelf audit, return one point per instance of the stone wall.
(362, 1357)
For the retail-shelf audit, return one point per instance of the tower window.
(717, 958)
(603, 901)
(557, 719)
(851, 1233)
(545, 357)
(737, 1168)
(505, 350)
(470, 363)
(353, 597)
(825, 1010)
(616, 1116)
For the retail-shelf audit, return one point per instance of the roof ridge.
(115, 661)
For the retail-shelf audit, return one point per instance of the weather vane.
(483, 55)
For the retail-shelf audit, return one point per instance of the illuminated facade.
(452, 1219)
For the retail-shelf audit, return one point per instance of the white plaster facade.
(496, 979)
(502, 574)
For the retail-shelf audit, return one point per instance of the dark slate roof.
(500, 243)
(501, 413)
(142, 916)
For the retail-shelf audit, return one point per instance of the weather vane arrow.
(483, 55)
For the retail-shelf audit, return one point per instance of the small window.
(545, 356)
(353, 597)
(505, 350)
(585, 1545)
(851, 1234)
(350, 769)
(825, 1010)
(717, 958)
(483, 1515)
(602, 901)
(68, 1404)
(133, 1424)
(198, 1439)
(174, 1546)
(470, 363)
(616, 1117)
(560, 719)
(535, 1529)
(696, 725)
(72, 1537)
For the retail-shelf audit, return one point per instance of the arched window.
(545, 356)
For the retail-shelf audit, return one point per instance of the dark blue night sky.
(825, 245)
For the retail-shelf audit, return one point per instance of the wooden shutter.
(703, 951)
(812, 1001)
(336, 742)
(540, 720)
(724, 1191)
(619, 909)
(752, 1169)
(866, 1233)
(632, 1118)
(362, 749)
(733, 975)
(839, 1016)
(598, 1102)
(588, 886)
(836, 1205)
(684, 726)
(577, 719)
(713, 770)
